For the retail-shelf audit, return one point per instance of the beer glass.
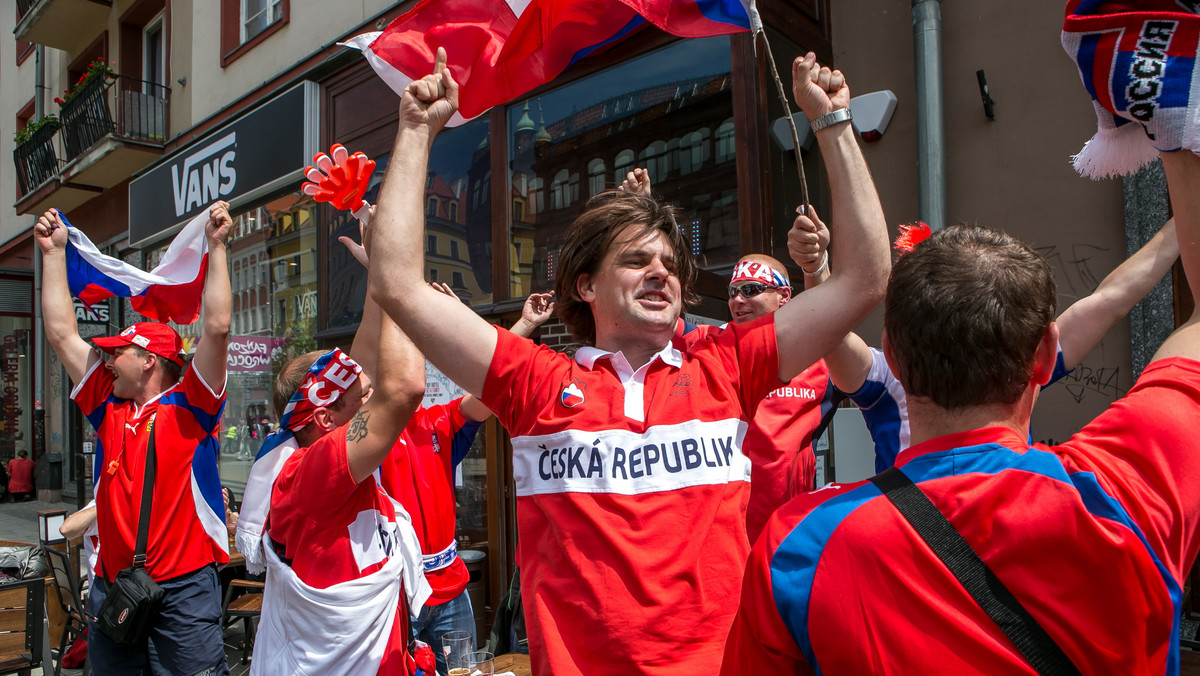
(455, 646)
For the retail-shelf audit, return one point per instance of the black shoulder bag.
(131, 606)
(1038, 648)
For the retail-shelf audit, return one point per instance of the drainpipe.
(38, 353)
(931, 139)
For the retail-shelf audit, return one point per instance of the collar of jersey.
(973, 438)
(139, 411)
(587, 357)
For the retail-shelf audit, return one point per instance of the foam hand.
(339, 178)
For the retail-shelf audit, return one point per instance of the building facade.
(170, 104)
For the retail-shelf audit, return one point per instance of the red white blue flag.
(501, 49)
(170, 292)
(1137, 60)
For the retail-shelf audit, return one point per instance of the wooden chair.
(246, 606)
(66, 587)
(21, 614)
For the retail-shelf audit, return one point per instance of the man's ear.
(1046, 356)
(584, 288)
(785, 294)
(149, 361)
(324, 420)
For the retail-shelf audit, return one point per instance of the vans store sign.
(259, 153)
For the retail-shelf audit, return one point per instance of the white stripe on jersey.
(662, 458)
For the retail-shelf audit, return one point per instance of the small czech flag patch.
(572, 396)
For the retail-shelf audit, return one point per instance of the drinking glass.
(455, 646)
(480, 663)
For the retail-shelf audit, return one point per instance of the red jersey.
(333, 530)
(419, 474)
(187, 520)
(780, 439)
(631, 497)
(1094, 537)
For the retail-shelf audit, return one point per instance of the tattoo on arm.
(357, 430)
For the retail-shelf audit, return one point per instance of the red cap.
(150, 336)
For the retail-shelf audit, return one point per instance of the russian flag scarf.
(1137, 59)
(170, 292)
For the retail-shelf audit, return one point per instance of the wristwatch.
(831, 118)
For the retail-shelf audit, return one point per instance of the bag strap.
(1038, 648)
(139, 554)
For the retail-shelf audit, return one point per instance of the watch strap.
(831, 118)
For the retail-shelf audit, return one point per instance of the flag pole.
(756, 26)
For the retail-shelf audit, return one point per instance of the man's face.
(127, 366)
(635, 290)
(743, 309)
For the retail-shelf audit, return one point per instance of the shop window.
(596, 176)
(657, 110)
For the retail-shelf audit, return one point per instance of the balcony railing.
(23, 7)
(114, 105)
(35, 159)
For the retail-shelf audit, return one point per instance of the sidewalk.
(18, 520)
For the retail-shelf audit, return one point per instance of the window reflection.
(658, 111)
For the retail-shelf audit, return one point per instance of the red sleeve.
(759, 642)
(1144, 451)
(518, 374)
(454, 415)
(316, 482)
(750, 356)
(93, 391)
(204, 400)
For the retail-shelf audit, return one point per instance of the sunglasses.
(749, 289)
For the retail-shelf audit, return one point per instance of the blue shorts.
(186, 638)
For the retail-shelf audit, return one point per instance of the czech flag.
(170, 292)
(501, 49)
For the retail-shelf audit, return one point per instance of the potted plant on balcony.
(97, 68)
(29, 131)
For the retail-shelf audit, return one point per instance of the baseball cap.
(150, 336)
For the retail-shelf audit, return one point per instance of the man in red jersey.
(779, 441)
(845, 582)
(343, 562)
(631, 481)
(137, 392)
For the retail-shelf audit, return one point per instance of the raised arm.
(216, 304)
(399, 382)
(450, 334)
(1183, 179)
(364, 349)
(809, 326)
(58, 310)
(1084, 324)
